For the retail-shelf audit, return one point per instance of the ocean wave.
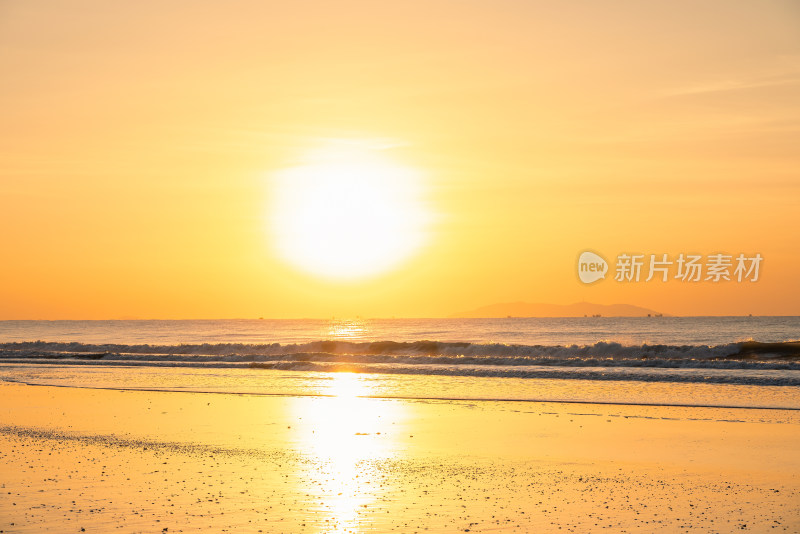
(435, 351)
(740, 363)
(764, 377)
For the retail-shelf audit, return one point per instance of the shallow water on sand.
(297, 383)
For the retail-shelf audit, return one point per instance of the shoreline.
(411, 398)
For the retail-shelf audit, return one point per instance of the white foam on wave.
(740, 363)
(750, 375)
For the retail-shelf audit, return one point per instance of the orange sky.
(141, 142)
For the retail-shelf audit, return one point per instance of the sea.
(726, 362)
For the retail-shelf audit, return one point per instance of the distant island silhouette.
(579, 309)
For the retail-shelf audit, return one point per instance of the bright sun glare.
(349, 212)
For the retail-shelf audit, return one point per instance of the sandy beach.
(95, 460)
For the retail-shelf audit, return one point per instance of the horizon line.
(358, 317)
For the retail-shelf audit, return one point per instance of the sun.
(348, 212)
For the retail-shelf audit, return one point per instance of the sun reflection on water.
(343, 435)
(347, 329)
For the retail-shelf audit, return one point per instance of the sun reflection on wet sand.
(343, 436)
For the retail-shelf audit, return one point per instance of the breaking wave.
(739, 363)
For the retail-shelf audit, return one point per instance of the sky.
(150, 155)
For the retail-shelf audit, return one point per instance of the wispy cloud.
(730, 85)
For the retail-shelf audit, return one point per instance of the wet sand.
(77, 460)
